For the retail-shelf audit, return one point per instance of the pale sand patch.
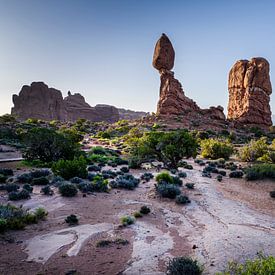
(146, 255)
(41, 248)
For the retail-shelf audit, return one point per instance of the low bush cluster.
(71, 219)
(127, 220)
(215, 149)
(67, 189)
(68, 169)
(147, 176)
(12, 217)
(19, 195)
(183, 266)
(260, 171)
(126, 181)
(167, 190)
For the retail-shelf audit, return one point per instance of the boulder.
(249, 89)
(164, 54)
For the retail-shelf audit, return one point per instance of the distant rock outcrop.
(249, 92)
(41, 102)
(131, 115)
(172, 100)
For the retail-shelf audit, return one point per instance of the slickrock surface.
(249, 92)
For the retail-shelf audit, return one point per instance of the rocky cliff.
(40, 101)
(249, 93)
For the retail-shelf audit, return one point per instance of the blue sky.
(103, 49)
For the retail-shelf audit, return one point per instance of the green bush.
(2, 178)
(167, 190)
(126, 181)
(164, 176)
(40, 181)
(183, 266)
(260, 171)
(181, 199)
(254, 149)
(262, 265)
(214, 149)
(46, 190)
(236, 174)
(21, 195)
(190, 185)
(167, 147)
(127, 220)
(28, 187)
(47, 145)
(145, 210)
(147, 176)
(68, 169)
(72, 219)
(67, 190)
(137, 214)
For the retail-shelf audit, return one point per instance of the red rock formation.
(249, 93)
(172, 100)
(41, 102)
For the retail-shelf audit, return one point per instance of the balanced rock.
(41, 102)
(172, 100)
(164, 54)
(249, 93)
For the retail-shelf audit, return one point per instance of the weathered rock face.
(164, 54)
(131, 115)
(172, 100)
(249, 92)
(41, 102)
(38, 101)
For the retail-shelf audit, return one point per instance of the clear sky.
(103, 49)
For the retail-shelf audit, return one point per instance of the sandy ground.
(230, 220)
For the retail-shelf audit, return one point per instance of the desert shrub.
(68, 169)
(165, 177)
(57, 180)
(71, 219)
(40, 181)
(6, 172)
(254, 150)
(206, 174)
(94, 168)
(182, 174)
(183, 266)
(135, 162)
(181, 199)
(126, 181)
(21, 195)
(67, 190)
(167, 147)
(264, 265)
(124, 169)
(177, 180)
(76, 180)
(260, 171)
(28, 187)
(190, 185)
(12, 217)
(11, 187)
(236, 174)
(40, 213)
(127, 220)
(99, 184)
(222, 173)
(188, 166)
(24, 178)
(137, 214)
(231, 166)
(145, 210)
(219, 178)
(214, 149)
(167, 190)
(40, 173)
(47, 145)
(46, 190)
(109, 174)
(3, 178)
(272, 194)
(173, 171)
(147, 176)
